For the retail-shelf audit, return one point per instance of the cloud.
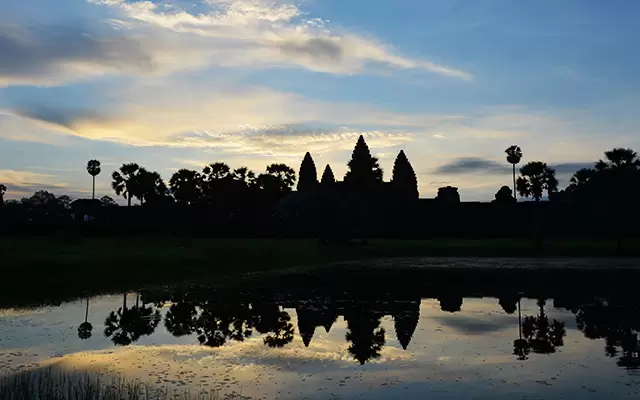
(146, 38)
(49, 54)
(263, 33)
(230, 119)
(470, 165)
(25, 183)
(569, 168)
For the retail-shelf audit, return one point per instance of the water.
(339, 336)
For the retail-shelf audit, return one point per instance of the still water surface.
(333, 343)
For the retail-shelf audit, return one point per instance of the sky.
(181, 84)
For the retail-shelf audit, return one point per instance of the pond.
(336, 335)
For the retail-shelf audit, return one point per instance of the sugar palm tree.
(536, 178)
(125, 181)
(93, 168)
(514, 155)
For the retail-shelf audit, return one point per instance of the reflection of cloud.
(467, 325)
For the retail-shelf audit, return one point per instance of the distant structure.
(448, 195)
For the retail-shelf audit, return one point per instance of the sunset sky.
(179, 84)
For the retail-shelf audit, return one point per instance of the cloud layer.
(146, 38)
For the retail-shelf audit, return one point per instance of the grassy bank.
(105, 263)
(51, 383)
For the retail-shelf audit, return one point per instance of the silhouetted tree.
(308, 175)
(93, 168)
(3, 190)
(125, 181)
(285, 174)
(186, 186)
(514, 155)
(64, 201)
(85, 329)
(150, 188)
(244, 175)
(536, 178)
(327, 176)
(107, 201)
(364, 169)
(581, 180)
(504, 196)
(404, 179)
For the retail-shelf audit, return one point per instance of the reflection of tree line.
(217, 321)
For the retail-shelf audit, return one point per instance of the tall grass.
(56, 384)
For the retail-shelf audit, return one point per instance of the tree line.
(357, 204)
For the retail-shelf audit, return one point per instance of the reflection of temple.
(363, 322)
(405, 321)
(314, 314)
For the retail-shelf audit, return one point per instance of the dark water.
(389, 334)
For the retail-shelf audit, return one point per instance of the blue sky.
(178, 84)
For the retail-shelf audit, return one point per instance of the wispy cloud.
(25, 183)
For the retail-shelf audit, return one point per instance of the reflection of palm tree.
(219, 321)
(521, 347)
(85, 329)
(181, 319)
(127, 325)
(365, 334)
(268, 319)
(618, 325)
(542, 335)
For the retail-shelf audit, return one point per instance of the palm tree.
(150, 186)
(186, 186)
(3, 190)
(536, 178)
(514, 155)
(85, 328)
(125, 181)
(93, 168)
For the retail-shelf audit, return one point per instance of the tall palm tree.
(93, 168)
(514, 155)
(125, 181)
(536, 178)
